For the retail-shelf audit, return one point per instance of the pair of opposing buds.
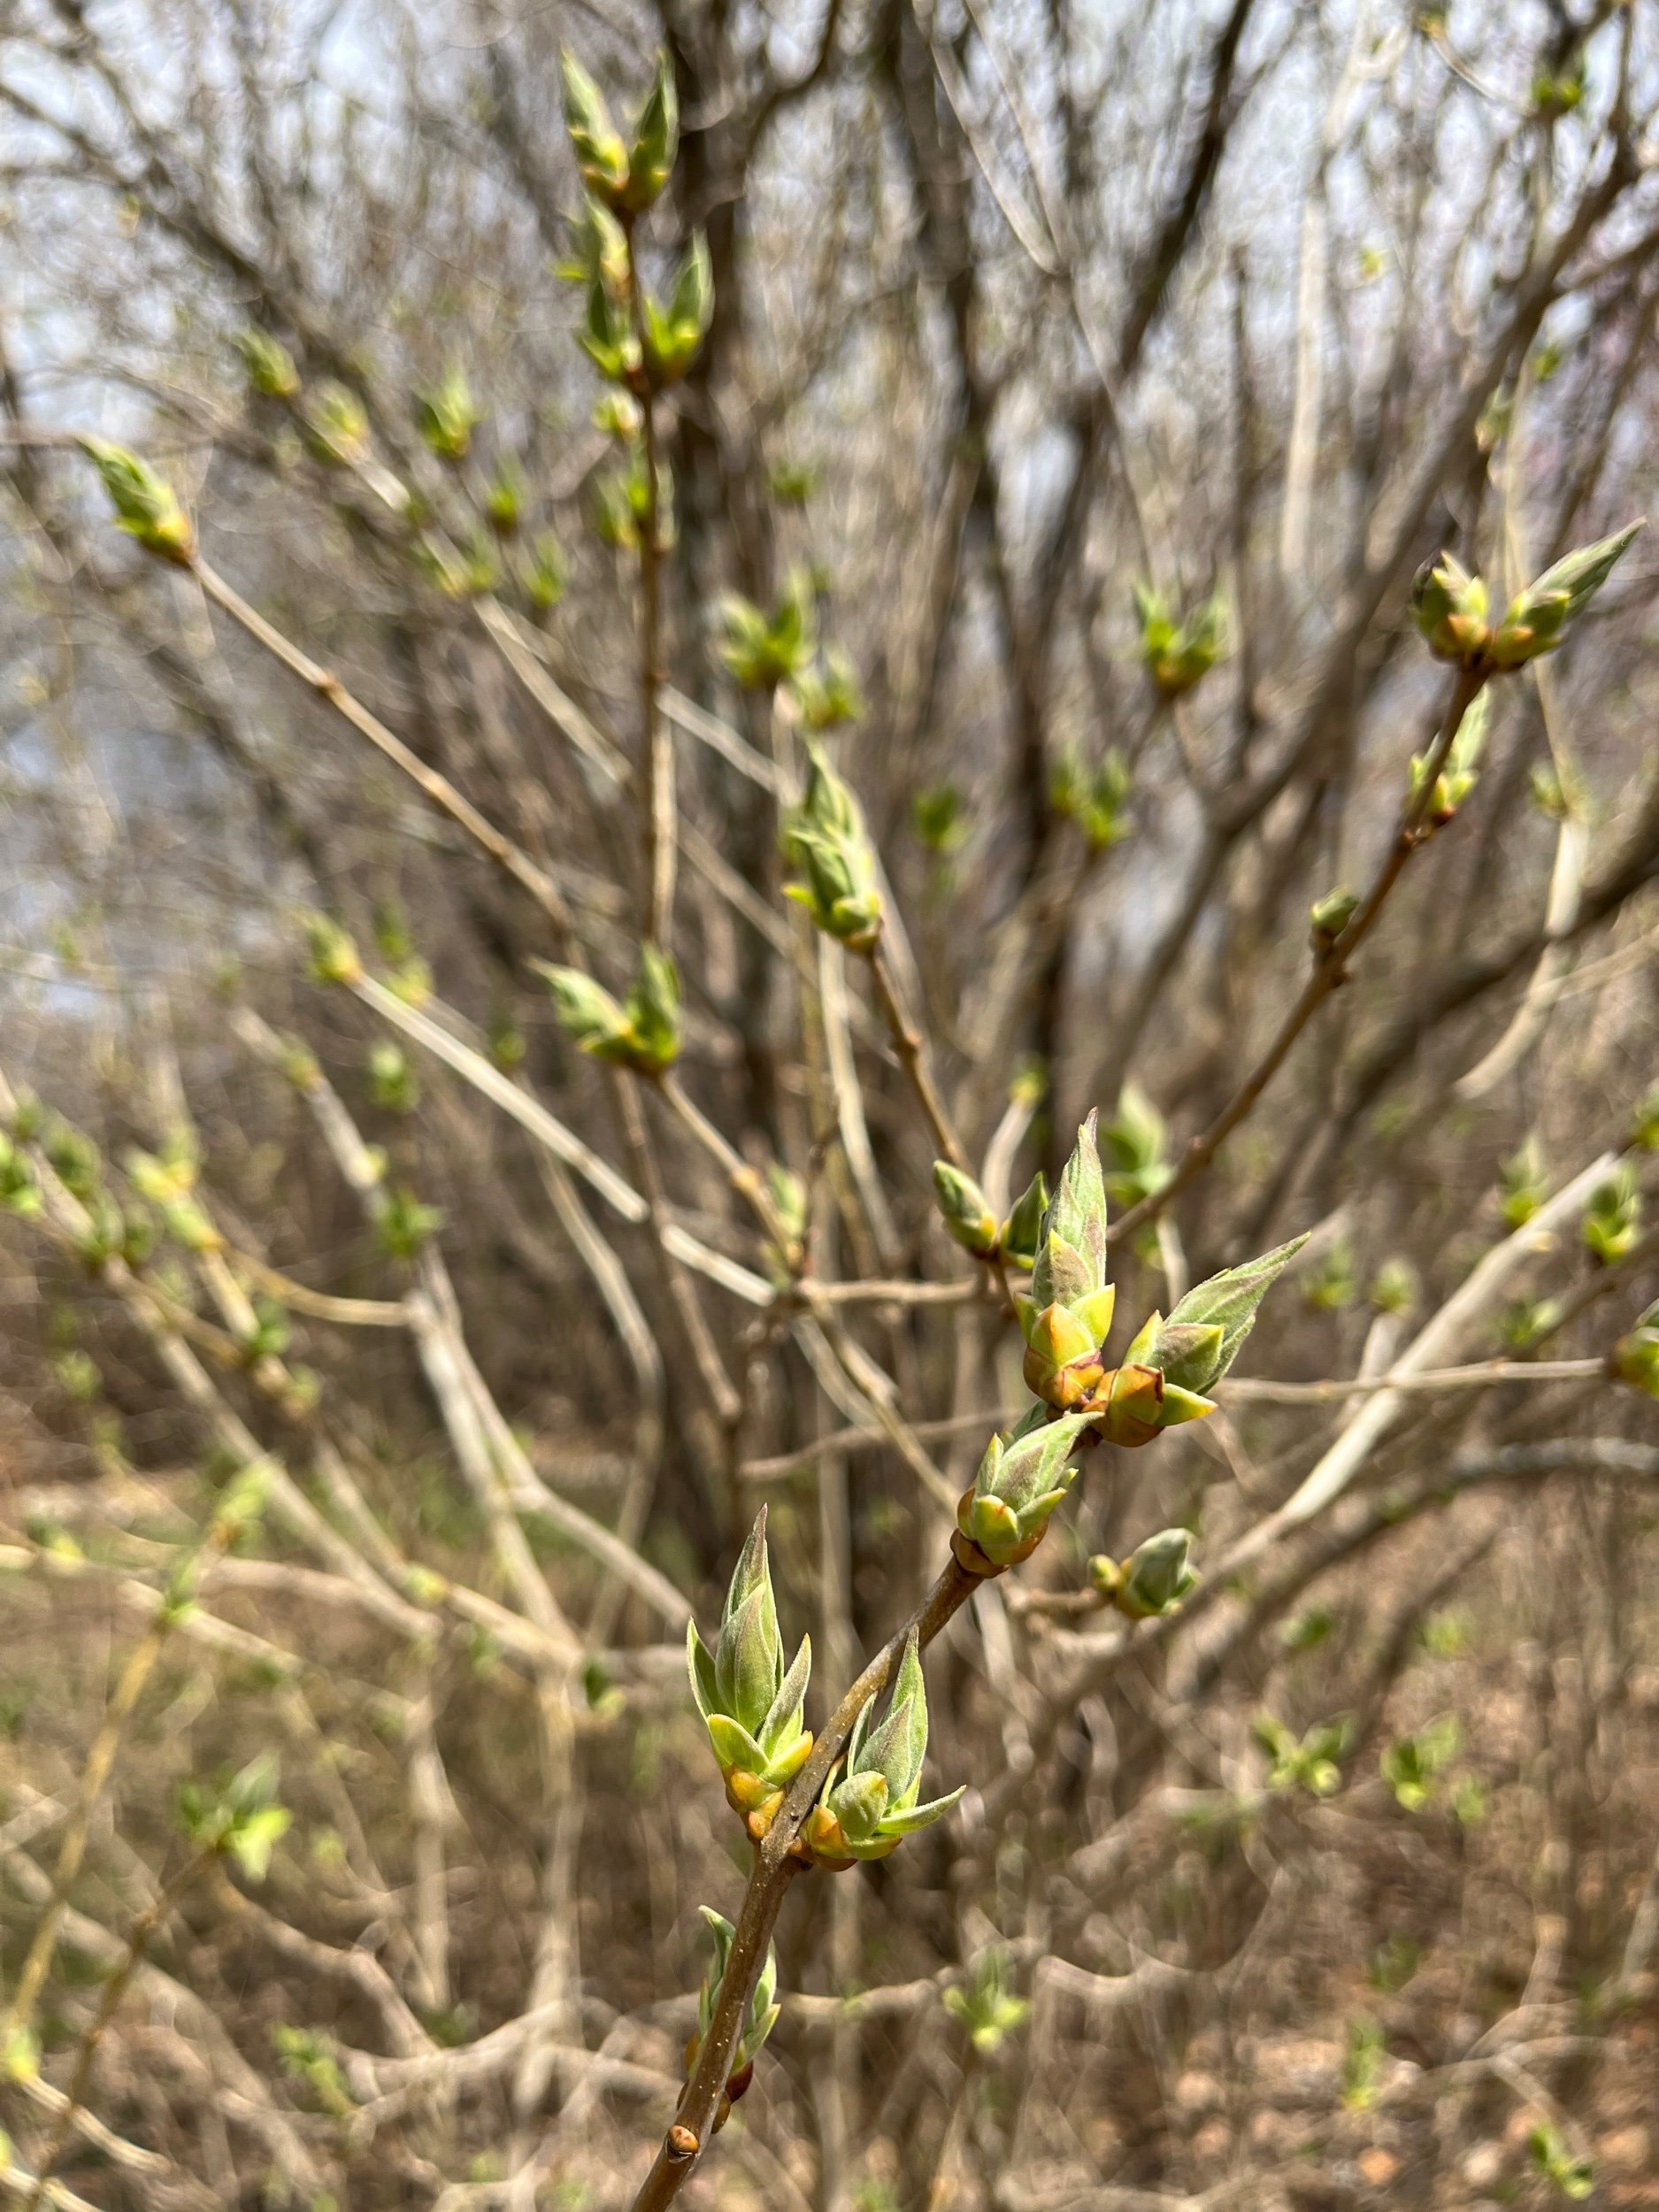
(1065, 1318)
(753, 1703)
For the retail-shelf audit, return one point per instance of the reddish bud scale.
(1127, 1401)
(1067, 1387)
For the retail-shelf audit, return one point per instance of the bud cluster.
(1065, 1316)
(751, 1704)
(1179, 650)
(1169, 1364)
(1003, 1516)
(642, 1031)
(145, 505)
(1094, 797)
(1451, 607)
(763, 650)
(966, 1213)
(1455, 778)
(1612, 1221)
(826, 843)
(1155, 1579)
(623, 180)
(780, 650)
(1308, 1762)
(448, 415)
(869, 1804)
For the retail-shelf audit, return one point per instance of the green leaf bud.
(653, 1012)
(601, 157)
(1612, 1221)
(763, 650)
(963, 1208)
(609, 338)
(1573, 2177)
(406, 1223)
(834, 868)
(985, 2007)
(393, 1085)
(1232, 1299)
(543, 571)
(587, 1014)
(599, 251)
(1450, 608)
(1635, 1357)
(269, 363)
(1332, 1286)
(1004, 1514)
(650, 162)
(1456, 779)
(751, 1704)
(1180, 652)
(1077, 1214)
(868, 1810)
(1063, 1364)
(1538, 617)
(1135, 1147)
(336, 427)
(1329, 917)
(1157, 1576)
(938, 819)
(1394, 1287)
(827, 694)
(617, 415)
(1094, 797)
(1523, 1183)
(334, 956)
(505, 497)
(1020, 1234)
(674, 334)
(144, 503)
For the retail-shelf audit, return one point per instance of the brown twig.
(911, 1047)
(114, 1990)
(442, 793)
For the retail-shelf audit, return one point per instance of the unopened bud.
(1449, 607)
(963, 1209)
(835, 878)
(1538, 618)
(601, 155)
(1020, 1235)
(587, 1014)
(1635, 1357)
(144, 503)
(336, 424)
(656, 139)
(1003, 1517)
(1157, 1576)
(1330, 916)
(674, 334)
(1062, 1364)
(270, 365)
(1180, 652)
(448, 415)
(334, 956)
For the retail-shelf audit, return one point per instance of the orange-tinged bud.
(1129, 1399)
